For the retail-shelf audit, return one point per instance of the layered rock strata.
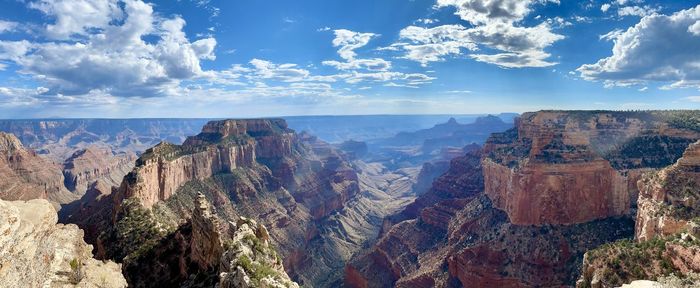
(667, 233)
(87, 166)
(28, 176)
(245, 168)
(573, 167)
(523, 211)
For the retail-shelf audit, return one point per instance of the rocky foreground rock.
(37, 252)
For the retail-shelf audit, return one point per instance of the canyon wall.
(92, 164)
(28, 176)
(545, 192)
(575, 167)
(255, 168)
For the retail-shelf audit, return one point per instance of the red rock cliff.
(574, 167)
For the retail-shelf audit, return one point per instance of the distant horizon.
(349, 115)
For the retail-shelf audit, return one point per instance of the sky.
(248, 58)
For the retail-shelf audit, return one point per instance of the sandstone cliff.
(37, 252)
(86, 166)
(522, 212)
(573, 167)
(28, 176)
(245, 168)
(666, 230)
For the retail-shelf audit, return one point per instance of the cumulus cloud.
(660, 48)
(101, 49)
(494, 25)
(76, 17)
(433, 44)
(605, 7)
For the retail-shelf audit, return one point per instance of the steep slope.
(551, 152)
(523, 211)
(27, 176)
(667, 231)
(36, 252)
(87, 166)
(245, 168)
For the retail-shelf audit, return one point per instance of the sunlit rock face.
(554, 187)
(25, 175)
(258, 169)
(37, 252)
(574, 167)
(670, 199)
(94, 163)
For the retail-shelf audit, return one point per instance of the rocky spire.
(206, 237)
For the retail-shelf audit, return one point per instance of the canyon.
(523, 210)
(563, 198)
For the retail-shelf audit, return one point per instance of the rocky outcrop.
(670, 199)
(28, 176)
(666, 231)
(92, 164)
(574, 167)
(37, 252)
(523, 211)
(254, 168)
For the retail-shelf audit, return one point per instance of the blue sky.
(133, 58)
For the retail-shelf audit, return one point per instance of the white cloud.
(612, 35)
(7, 26)
(433, 44)
(282, 72)
(639, 11)
(479, 12)
(349, 41)
(102, 50)
(76, 17)
(605, 7)
(427, 21)
(659, 48)
(495, 26)
(373, 64)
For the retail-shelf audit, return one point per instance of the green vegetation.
(681, 119)
(655, 151)
(626, 260)
(136, 232)
(256, 270)
(76, 271)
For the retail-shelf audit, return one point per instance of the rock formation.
(574, 167)
(37, 252)
(245, 168)
(86, 166)
(523, 211)
(667, 231)
(27, 176)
